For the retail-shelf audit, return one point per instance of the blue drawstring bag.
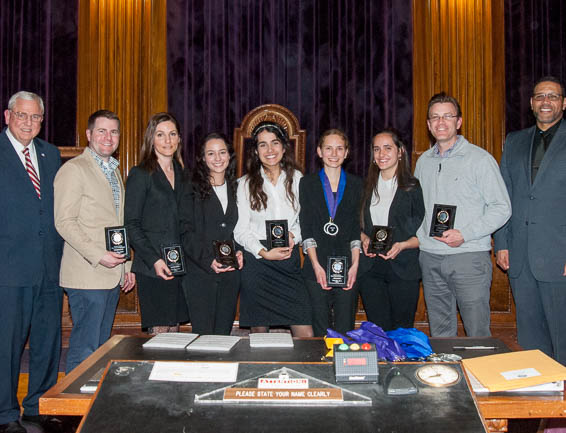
(387, 348)
(414, 342)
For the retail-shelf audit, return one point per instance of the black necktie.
(539, 153)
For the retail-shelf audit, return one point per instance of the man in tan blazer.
(89, 196)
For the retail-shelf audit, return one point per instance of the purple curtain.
(38, 53)
(535, 45)
(345, 64)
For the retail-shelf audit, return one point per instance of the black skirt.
(273, 292)
(162, 302)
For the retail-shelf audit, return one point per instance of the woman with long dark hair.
(151, 216)
(209, 213)
(392, 198)
(272, 292)
(330, 226)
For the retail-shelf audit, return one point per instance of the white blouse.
(222, 194)
(250, 229)
(379, 210)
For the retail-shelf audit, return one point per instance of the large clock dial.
(438, 375)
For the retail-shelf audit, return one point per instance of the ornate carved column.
(458, 46)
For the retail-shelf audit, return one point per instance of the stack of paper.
(170, 340)
(275, 339)
(214, 343)
(515, 370)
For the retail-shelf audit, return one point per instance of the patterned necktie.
(32, 173)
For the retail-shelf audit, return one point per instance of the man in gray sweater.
(456, 264)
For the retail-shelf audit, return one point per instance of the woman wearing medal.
(208, 214)
(272, 291)
(151, 218)
(392, 197)
(331, 230)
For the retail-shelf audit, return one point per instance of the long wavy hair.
(201, 173)
(405, 180)
(148, 158)
(258, 198)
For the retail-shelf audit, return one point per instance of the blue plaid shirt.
(446, 154)
(109, 170)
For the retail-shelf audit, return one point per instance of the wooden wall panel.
(458, 47)
(122, 66)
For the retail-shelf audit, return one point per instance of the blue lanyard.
(331, 202)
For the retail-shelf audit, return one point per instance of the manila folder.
(514, 370)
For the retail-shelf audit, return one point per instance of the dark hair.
(334, 131)
(148, 158)
(442, 98)
(258, 198)
(201, 173)
(552, 79)
(102, 113)
(405, 180)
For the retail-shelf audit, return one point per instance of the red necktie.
(32, 173)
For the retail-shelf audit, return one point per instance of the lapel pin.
(43, 155)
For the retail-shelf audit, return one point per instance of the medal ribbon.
(331, 203)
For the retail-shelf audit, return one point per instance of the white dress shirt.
(379, 210)
(250, 229)
(19, 148)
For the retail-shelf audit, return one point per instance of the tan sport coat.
(84, 206)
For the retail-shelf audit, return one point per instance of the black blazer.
(314, 214)
(405, 217)
(151, 214)
(31, 246)
(202, 222)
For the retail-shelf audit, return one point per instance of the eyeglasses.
(25, 116)
(447, 117)
(553, 97)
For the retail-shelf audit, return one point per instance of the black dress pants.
(389, 301)
(335, 308)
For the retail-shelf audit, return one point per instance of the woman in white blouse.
(389, 281)
(272, 290)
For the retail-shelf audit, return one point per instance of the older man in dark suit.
(31, 249)
(532, 245)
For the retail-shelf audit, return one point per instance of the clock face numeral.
(438, 375)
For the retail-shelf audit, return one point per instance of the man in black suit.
(532, 245)
(31, 249)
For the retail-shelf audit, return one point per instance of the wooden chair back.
(269, 113)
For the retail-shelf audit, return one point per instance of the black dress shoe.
(46, 423)
(12, 427)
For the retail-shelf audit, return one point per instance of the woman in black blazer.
(209, 213)
(389, 282)
(327, 234)
(151, 216)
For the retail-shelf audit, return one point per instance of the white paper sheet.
(195, 371)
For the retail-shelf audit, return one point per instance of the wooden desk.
(65, 398)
